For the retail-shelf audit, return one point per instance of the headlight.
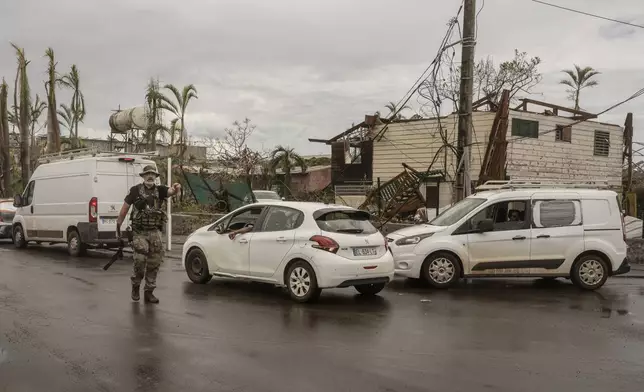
(413, 240)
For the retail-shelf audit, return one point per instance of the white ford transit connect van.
(75, 199)
(518, 230)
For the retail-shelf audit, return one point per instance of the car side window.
(505, 215)
(282, 219)
(245, 218)
(556, 213)
(28, 194)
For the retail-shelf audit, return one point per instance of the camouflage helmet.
(149, 169)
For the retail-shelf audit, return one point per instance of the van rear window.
(344, 221)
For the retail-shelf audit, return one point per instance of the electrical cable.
(588, 14)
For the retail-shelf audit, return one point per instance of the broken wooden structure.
(493, 164)
(401, 194)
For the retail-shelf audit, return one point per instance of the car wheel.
(370, 289)
(589, 272)
(197, 267)
(441, 270)
(75, 247)
(301, 282)
(19, 240)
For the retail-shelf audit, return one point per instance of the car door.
(232, 256)
(506, 249)
(26, 210)
(272, 242)
(557, 231)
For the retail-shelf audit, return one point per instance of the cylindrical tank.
(133, 118)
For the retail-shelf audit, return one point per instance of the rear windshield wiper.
(352, 231)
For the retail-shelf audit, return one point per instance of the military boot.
(136, 294)
(150, 298)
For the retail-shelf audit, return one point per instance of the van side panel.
(61, 198)
(603, 229)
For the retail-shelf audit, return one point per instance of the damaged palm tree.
(77, 105)
(53, 127)
(22, 107)
(154, 114)
(5, 155)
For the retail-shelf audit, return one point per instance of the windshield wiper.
(352, 231)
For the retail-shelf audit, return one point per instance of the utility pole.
(464, 140)
(628, 154)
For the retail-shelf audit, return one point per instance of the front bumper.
(624, 268)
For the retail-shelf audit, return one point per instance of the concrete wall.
(311, 181)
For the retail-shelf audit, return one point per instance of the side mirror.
(17, 201)
(485, 225)
(283, 198)
(219, 229)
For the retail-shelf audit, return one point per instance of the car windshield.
(348, 221)
(266, 195)
(456, 212)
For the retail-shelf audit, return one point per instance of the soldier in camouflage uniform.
(148, 219)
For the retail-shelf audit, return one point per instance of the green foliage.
(578, 79)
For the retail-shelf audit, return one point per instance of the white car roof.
(527, 193)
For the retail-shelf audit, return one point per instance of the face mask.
(149, 179)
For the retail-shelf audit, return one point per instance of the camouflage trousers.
(148, 256)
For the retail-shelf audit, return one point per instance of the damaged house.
(534, 140)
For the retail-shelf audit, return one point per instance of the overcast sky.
(307, 68)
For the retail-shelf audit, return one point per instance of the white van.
(76, 201)
(518, 230)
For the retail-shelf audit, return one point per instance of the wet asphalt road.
(65, 325)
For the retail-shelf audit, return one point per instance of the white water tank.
(125, 120)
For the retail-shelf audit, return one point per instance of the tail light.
(93, 209)
(324, 243)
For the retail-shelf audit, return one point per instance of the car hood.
(415, 230)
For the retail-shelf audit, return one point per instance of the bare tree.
(232, 150)
(22, 107)
(518, 75)
(5, 145)
(53, 128)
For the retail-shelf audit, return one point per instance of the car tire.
(18, 237)
(302, 283)
(589, 272)
(441, 270)
(370, 289)
(75, 247)
(197, 267)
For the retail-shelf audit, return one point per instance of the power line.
(588, 14)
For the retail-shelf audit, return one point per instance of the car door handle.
(281, 239)
(243, 241)
(543, 236)
(32, 209)
(519, 237)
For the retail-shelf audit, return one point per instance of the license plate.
(365, 251)
(108, 221)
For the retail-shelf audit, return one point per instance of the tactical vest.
(147, 213)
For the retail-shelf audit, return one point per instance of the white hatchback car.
(303, 246)
(550, 233)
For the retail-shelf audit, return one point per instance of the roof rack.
(545, 183)
(90, 152)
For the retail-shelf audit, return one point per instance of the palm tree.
(36, 111)
(286, 158)
(67, 118)
(579, 79)
(394, 112)
(77, 105)
(5, 152)
(53, 128)
(154, 112)
(21, 108)
(178, 108)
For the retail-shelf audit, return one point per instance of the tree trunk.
(287, 181)
(53, 127)
(5, 154)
